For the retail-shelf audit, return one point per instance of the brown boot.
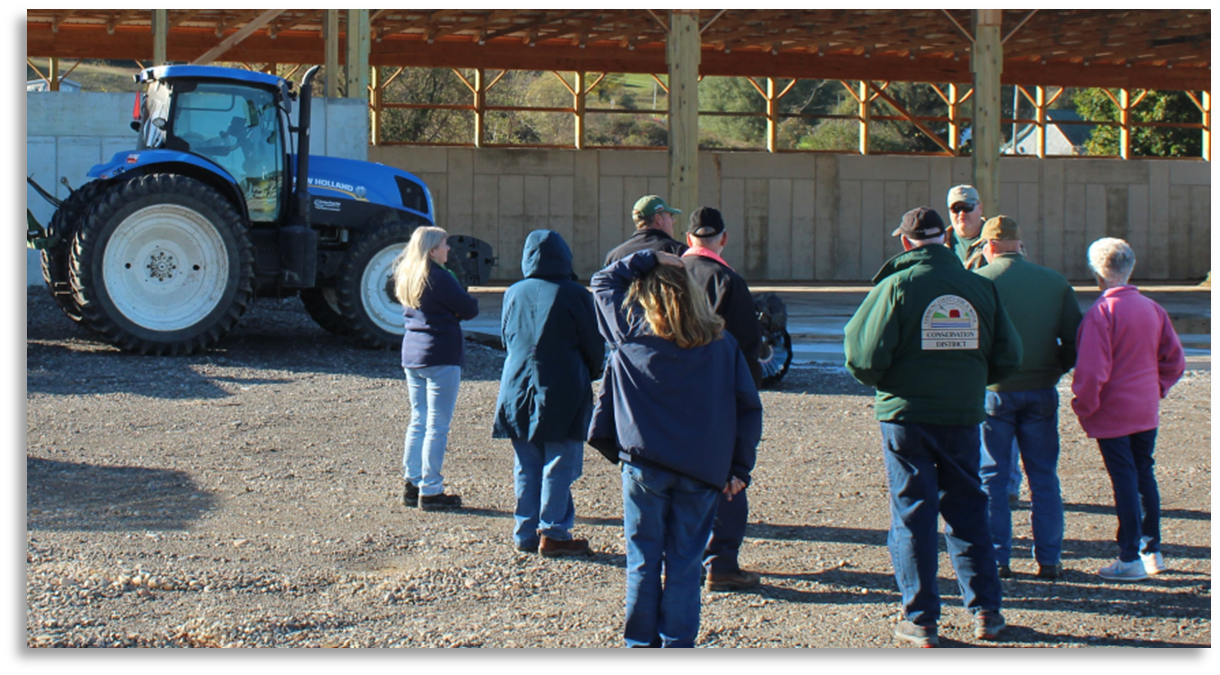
(555, 548)
(737, 580)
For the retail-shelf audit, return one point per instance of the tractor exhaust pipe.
(298, 241)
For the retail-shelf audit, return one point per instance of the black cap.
(705, 221)
(920, 223)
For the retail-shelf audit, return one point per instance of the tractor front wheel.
(162, 265)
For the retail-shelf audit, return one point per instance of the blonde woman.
(433, 354)
(678, 407)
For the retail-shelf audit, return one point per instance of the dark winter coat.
(549, 328)
(731, 299)
(434, 336)
(694, 411)
(646, 239)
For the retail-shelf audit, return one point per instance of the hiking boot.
(441, 501)
(1123, 571)
(988, 624)
(557, 548)
(736, 580)
(410, 494)
(1004, 571)
(1050, 572)
(920, 636)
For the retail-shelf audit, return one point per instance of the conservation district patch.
(950, 322)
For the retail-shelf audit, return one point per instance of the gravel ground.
(251, 497)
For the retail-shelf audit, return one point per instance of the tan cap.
(1001, 228)
(963, 193)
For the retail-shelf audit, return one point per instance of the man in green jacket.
(966, 215)
(930, 336)
(1044, 309)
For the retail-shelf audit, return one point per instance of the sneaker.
(1004, 571)
(1153, 563)
(441, 501)
(920, 636)
(410, 494)
(737, 580)
(1051, 572)
(556, 548)
(988, 624)
(1123, 571)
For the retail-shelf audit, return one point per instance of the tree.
(1157, 106)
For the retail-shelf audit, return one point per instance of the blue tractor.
(165, 247)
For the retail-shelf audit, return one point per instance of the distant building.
(1061, 139)
(41, 85)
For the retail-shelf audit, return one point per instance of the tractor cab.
(234, 119)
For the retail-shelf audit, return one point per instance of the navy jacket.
(554, 350)
(433, 336)
(693, 411)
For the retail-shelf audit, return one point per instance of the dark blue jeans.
(934, 469)
(728, 531)
(1032, 418)
(667, 518)
(1129, 462)
(543, 474)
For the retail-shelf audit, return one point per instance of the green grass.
(92, 75)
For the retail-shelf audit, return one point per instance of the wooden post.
(160, 36)
(682, 56)
(330, 67)
(772, 115)
(357, 53)
(955, 127)
(1207, 129)
(866, 93)
(375, 99)
(1124, 120)
(986, 62)
(579, 104)
(1040, 111)
(53, 75)
(480, 106)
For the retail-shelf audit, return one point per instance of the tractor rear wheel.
(64, 225)
(366, 286)
(162, 265)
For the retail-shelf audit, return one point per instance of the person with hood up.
(549, 328)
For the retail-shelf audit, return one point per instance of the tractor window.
(238, 128)
(154, 116)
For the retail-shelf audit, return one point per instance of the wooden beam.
(986, 61)
(245, 32)
(160, 29)
(356, 62)
(330, 59)
(682, 55)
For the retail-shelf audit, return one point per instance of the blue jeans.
(667, 518)
(433, 391)
(1031, 418)
(1129, 462)
(543, 476)
(728, 531)
(934, 468)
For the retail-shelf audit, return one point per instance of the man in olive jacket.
(930, 336)
(1044, 309)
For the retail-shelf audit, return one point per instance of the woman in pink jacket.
(1129, 357)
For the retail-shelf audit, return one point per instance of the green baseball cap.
(650, 205)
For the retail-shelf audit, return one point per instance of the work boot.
(737, 580)
(557, 548)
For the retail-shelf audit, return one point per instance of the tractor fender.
(129, 164)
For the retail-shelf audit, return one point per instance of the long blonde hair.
(675, 307)
(411, 270)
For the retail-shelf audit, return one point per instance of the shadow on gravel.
(1074, 548)
(856, 587)
(1108, 510)
(816, 533)
(1021, 634)
(88, 497)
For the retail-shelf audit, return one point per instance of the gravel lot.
(251, 497)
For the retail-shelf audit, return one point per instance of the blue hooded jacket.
(694, 411)
(554, 350)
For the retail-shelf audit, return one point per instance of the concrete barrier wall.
(69, 132)
(818, 217)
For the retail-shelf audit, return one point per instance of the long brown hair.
(675, 307)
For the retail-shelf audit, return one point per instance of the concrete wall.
(69, 132)
(818, 217)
